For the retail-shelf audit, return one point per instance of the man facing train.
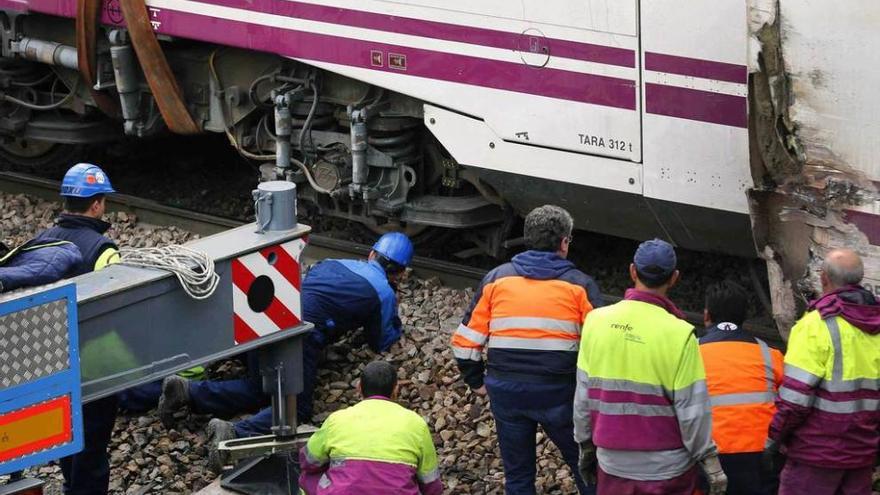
(528, 315)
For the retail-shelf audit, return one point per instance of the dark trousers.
(683, 484)
(799, 478)
(88, 472)
(261, 423)
(221, 398)
(142, 398)
(518, 409)
(746, 475)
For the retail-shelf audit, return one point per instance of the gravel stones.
(25, 216)
(147, 458)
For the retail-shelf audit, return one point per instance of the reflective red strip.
(62, 437)
(241, 276)
(280, 315)
(284, 264)
(241, 331)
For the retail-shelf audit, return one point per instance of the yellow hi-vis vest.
(642, 389)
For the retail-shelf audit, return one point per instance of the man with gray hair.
(827, 415)
(528, 313)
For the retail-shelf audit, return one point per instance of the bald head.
(841, 267)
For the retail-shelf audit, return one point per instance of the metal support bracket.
(137, 325)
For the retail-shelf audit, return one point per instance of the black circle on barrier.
(260, 294)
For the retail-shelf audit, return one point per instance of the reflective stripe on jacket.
(742, 376)
(829, 403)
(641, 393)
(376, 447)
(528, 314)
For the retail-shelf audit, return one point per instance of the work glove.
(587, 462)
(770, 458)
(715, 475)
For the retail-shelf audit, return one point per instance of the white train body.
(714, 123)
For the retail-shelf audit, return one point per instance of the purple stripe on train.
(705, 69)
(438, 30)
(463, 69)
(555, 83)
(693, 104)
(868, 223)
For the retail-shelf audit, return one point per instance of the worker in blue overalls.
(83, 189)
(338, 296)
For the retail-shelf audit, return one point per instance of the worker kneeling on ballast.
(375, 447)
(338, 296)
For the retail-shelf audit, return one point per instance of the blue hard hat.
(396, 247)
(85, 180)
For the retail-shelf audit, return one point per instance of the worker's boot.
(175, 395)
(218, 431)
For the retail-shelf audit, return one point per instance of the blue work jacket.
(343, 295)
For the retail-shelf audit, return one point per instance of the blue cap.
(85, 180)
(655, 260)
(396, 247)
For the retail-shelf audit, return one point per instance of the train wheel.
(22, 154)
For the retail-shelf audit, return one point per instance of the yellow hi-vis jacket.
(375, 447)
(828, 410)
(641, 392)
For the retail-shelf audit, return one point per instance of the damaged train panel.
(814, 141)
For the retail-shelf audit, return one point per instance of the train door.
(695, 103)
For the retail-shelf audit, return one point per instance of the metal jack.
(268, 464)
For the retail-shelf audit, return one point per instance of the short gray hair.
(546, 226)
(843, 272)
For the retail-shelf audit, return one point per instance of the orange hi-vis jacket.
(743, 375)
(528, 315)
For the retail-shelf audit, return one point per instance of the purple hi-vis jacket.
(828, 409)
(375, 447)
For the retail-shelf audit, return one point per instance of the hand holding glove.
(717, 479)
(587, 462)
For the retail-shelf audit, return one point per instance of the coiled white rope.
(194, 269)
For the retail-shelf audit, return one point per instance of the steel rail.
(319, 247)
(151, 212)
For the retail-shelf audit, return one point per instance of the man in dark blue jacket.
(84, 189)
(338, 296)
(38, 262)
(528, 314)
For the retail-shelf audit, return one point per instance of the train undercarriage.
(355, 151)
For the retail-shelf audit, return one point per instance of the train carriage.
(742, 127)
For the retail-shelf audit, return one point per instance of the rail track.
(319, 247)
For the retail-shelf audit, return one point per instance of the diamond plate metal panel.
(33, 343)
